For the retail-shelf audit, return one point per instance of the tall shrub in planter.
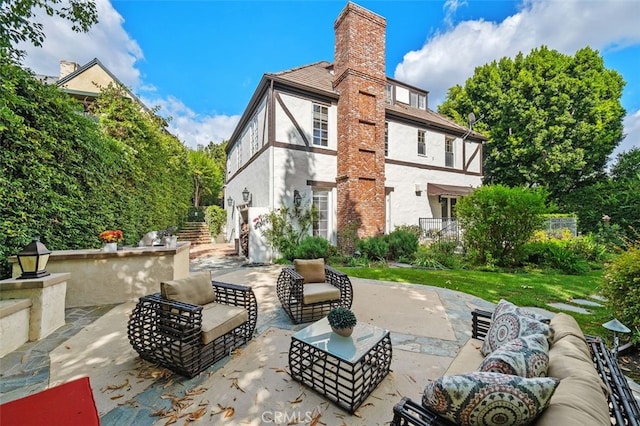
(498, 221)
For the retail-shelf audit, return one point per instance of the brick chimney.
(360, 78)
(67, 67)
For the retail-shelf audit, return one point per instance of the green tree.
(552, 120)
(17, 24)
(207, 178)
(498, 221)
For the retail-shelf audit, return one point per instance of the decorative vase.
(344, 332)
(110, 247)
(171, 241)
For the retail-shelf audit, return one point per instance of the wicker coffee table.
(344, 369)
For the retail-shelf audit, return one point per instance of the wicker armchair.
(188, 338)
(310, 289)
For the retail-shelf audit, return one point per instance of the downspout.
(271, 142)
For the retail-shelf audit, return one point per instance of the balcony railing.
(440, 229)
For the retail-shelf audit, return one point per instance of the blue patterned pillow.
(526, 356)
(510, 322)
(489, 399)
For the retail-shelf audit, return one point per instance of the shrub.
(312, 248)
(375, 248)
(402, 244)
(285, 228)
(498, 221)
(621, 285)
(439, 255)
(216, 217)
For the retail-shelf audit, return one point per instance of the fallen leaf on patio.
(117, 396)
(169, 383)
(229, 412)
(315, 420)
(197, 414)
(279, 370)
(368, 404)
(67, 347)
(412, 379)
(160, 413)
(115, 387)
(234, 384)
(195, 391)
(298, 399)
(171, 420)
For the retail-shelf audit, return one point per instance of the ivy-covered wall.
(66, 177)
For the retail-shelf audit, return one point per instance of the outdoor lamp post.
(229, 201)
(297, 198)
(33, 260)
(617, 327)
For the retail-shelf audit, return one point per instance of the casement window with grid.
(448, 152)
(321, 224)
(422, 146)
(320, 125)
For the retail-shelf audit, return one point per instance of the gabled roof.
(318, 77)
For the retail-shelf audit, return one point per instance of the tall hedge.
(65, 177)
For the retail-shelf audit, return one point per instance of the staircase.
(194, 232)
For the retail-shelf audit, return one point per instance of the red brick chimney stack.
(360, 78)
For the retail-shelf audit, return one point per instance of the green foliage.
(439, 255)
(216, 217)
(66, 178)
(403, 244)
(341, 317)
(313, 248)
(621, 285)
(374, 248)
(498, 221)
(285, 228)
(207, 178)
(17, 23)
(552, 119)
(616, 197)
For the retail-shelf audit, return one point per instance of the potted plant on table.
(342, 321)
(111, 238)
(167, 236)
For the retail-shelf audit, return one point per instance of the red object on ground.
(70, 404)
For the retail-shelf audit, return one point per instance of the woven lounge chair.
(193, 323)
(310, 289)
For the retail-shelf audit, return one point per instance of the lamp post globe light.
(617, 327)
(33, 260)
(246, 195)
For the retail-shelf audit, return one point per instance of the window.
(253, 135)
(321, 203)
(388, 94)
(422, 147)
(418, 100)
(239, 154)
(320, 125)
(386, 138)
(448, 152)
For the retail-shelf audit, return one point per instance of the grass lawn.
(523, 289)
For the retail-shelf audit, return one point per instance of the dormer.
(396, 92)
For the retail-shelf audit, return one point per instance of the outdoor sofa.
(590, 390)
(310, 289)
(192, 323)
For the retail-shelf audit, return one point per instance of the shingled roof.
(318, 77)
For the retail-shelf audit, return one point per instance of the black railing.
(440, 229)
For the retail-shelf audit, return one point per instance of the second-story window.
(388, 94)
(448, 152)
(386, 138)
(253, 135)
(320, 125)
(422, 147)
(418, 100)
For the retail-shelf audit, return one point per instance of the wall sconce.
(229, 201)
(617, 327)
(246, 195)
(297, 198)
(33, 260)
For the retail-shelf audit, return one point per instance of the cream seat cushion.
(218, 319)
(196, 289)
(312, 270)
(319, 292)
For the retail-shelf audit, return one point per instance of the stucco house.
(364, 148)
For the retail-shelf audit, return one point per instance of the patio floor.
(428, 325)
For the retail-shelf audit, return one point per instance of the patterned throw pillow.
(489, 399)
(510, 322)
(526, 356)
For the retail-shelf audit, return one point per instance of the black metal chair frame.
(623, 407)
(168, 332)
(290, 292)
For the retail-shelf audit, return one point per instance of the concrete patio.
(428, 325)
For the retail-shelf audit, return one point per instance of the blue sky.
(200, 61)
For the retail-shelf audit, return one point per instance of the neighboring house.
(85, 82)
(365, 149)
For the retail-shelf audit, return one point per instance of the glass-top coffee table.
(344, 369)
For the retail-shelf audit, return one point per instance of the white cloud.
(191, 128)
(450, 57)
(631, 125)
